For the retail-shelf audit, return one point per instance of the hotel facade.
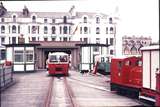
(58, 31)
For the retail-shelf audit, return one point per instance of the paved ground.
(89, 90)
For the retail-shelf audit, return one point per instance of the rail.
(6, 77)
(70, 93)
(51, 99)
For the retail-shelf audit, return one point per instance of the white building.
(90, 27)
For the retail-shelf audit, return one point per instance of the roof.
(58, 53)
(86, 45)
(22, 45)
(57, 44)
(55, 15)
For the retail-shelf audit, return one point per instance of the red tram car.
(126, 75)
(58, 63)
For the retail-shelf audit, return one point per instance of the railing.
(6, 77)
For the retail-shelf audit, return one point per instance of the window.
(69, 29)
(45, 20)
(13, 29)
(19, 29)
(96, 49)
(53, 30)
(97, 20)
(2, 40)
(28, 29)
(53, 39)
(85, 19)
(111, 41)
(80, 39)
(33, 38)
(38, 29)
(119, 65)
(2, 20)
(106, 30)
(107, 41)
(33, 18)
(111, 30)
(111, 52)
(13, 40)
(139, 63)
(110, 20)
(63, 58)
(18, 56)
(128, 63)
(45, 39)
(86, 40)
(3, 54)
(80, 30)
(45, 30)
(133, 50)
(65, 30)
(34, 28)
(53, 20)
(98, 40)
(85, 30)
(14, 18)
(60, 38)
(65, 39)
(29, 56)
(126, 50)
(65, 19)
(53, 58)
(97, 30)
(60, 30)
(2, 29)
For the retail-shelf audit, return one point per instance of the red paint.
(58, 63)
(128, 74)
(158, 89)
(95, 68)
(116, 71)
(58, 68)
(8, 63)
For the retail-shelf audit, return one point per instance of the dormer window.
(33, 18)
(85, 19)
(14, 18)
(97, 20)
(45, 20)
(25, 11)
(65, 19)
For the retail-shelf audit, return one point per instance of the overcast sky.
(137, 17)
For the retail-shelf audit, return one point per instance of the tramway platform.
(88, 90)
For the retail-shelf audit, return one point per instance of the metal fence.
(6, 76)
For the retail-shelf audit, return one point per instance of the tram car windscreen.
(58, 63)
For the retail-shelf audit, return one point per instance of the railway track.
(59, 93)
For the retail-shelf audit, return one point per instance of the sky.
(136, 17)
